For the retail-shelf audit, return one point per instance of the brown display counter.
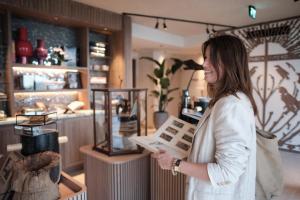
(78, 127)
(125, 177)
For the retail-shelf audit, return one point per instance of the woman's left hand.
(164, 159)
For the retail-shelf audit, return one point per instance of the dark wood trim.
(65, 12)
(9, 72)
(134, 73)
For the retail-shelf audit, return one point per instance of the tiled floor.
(79, 177)
(291, 170)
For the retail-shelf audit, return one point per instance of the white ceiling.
(227, 12)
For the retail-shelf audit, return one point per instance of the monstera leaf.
(161, 77)
(172, 90)
(155, 93)
(151, 59)
(177, 65)
(154, 80)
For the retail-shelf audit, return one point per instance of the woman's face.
(209, 70)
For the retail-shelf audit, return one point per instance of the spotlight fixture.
(207, 30)
(165, 25)
(213, 29)
(157, 23)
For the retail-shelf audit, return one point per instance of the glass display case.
(36, 123)
(125, 115)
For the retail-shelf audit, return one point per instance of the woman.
(222, 161)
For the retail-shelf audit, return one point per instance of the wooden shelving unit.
(57, 90)
(12, 67)
(99, 61)
(48, 67)
(115, 28)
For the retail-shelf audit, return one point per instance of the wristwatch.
(176, 166)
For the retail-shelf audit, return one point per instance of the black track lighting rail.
(180, 20)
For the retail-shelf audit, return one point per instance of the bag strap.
(265, 134)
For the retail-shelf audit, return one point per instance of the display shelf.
(98, 62)
(73, 34)
(59, 90)
(100, 57)
(30, 124)
(98, 83)
(35, 124)
(126, 111)
(17, 65)
(99, 71)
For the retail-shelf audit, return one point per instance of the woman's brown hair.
(229, 52)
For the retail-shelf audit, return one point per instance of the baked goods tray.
(36, 124)
(31, 120)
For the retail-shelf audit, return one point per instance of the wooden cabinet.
(7, 136)
(79, 131)
(99, 61)
(125, 177)
(3, 82)
(57, 85)
(47, 85)
(79, 33)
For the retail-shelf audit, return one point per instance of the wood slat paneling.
(79, 132)
(7, 136)
(165, 186)
(116, 178)
(95, 17)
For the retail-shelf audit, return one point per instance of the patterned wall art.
(274, 63)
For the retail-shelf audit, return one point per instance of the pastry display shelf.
(57, 67)
(36, 123)
(100, 57)
(56, 90)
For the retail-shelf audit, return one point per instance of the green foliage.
(154, 80)
(164, 83)
(155, 93)
(161, 77)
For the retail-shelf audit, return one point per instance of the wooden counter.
(77, 127)
(123, 177)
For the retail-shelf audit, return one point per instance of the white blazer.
(225, 138)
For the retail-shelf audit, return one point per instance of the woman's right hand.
(164, 159)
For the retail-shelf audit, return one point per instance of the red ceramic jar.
(23, 46)
(40, 51)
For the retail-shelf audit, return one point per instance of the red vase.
(40, 51)
(23, 46)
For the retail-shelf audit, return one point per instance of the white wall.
(180, 80)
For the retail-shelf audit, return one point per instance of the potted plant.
(161, 78)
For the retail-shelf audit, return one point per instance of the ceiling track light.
(177, 19)
(207, 30)
(157, 23)
(213, 29)
(165, 25)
